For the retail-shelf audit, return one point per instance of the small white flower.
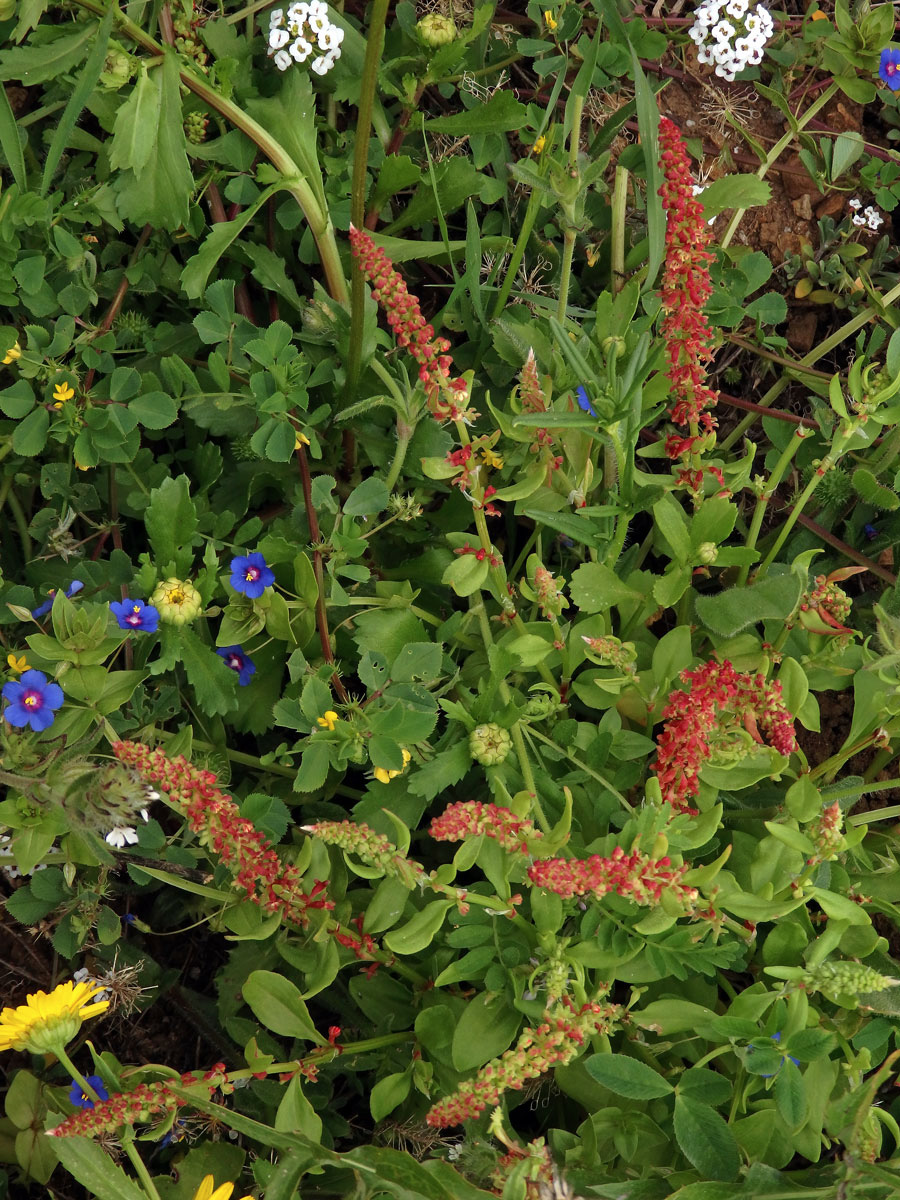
(737, 8)
(723, 32)
(322, 65)
(282, 60)
(278, 37)
(704, 55)
(318, 9)
(298, 13)
(331, 38)
(873, 217)
(301, 50)
(854, 203)
(121, 836)
(12, 872)
(276, 16)
(318, 23)
(742, 46)
(858, 219)
(756, 56)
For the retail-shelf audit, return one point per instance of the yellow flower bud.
(178, 602)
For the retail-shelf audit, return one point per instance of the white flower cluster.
(731, 34)
(870, 216)
(304, 28)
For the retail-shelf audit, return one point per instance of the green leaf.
(627, 1077)
(171, 518)
(314, 765)
(596, 588)
(296, 1114)
(154, 410)
(500, 113)
(10, 143)
(87, 81)
(670, 520)
(734, 191)
(277, 1004)
(485, 1029)
(773, 598)
(706, 1140)
(282, 1183)
(44, 59)
(198, 269)
(87, 1162)
(159, 193)
(215, 686)
(17, 400)
(465, 574)
(368, 498)
(417, 660)
(388, 1093)
(30, 435)
(790, 1095)
(418, 933)
(136, 126)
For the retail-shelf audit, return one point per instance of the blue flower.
(889, 68)
(250, 575)
(238, 661)
(135, 615)
(584, 401)
(42, 609)
(79, 1097)
(32, 700)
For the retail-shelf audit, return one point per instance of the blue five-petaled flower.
(238, 661)
(79, 1097)
(135, 615)
(42, 609)
(32, 700)
(250, 575)
(889, 68)
(584, 401)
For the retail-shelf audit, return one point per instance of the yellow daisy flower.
(208, 1190)
(383, 775)
(61, 393)
(17, 664)
(46, 1022)
(329, 720)
(12, 354)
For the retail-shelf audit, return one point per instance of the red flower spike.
(719, 699)
(472, 818)
(635, 876)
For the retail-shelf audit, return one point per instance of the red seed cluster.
(719, 698)
(685, 289)
(215, 819)
(410, 328)
(635, 876)
(471, 818)
(557, 1040)
(149, 1102)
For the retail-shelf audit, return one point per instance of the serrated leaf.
(45, 58)
(171, 518)
(136, 125)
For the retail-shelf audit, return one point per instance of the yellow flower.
(17, 664)
(178, 601)
(81, 466)
(61, 393)
(44, 1023)
(385, 776)
(12, 354)
(491, 459)
(329, 720)
(538, 147)
(300, 439)
(550, 20)
(208, 1190)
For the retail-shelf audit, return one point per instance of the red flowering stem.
(719, 699)
(556, 1041)
(471, 818)
(636, 876)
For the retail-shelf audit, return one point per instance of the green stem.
(846, 330)
(766, 494)
(404, 437)
(570, 231)
(21, 524)
(617, 232)
(836, 452)
(774, 154)
(477, 606)
(515, 261)
(368, 83)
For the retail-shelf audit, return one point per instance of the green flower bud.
(435, 31)
(613, 347)
(707, 552)
(489, 744)
(178, 602)
(195, 125)
(540, 707)
(117, 68)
